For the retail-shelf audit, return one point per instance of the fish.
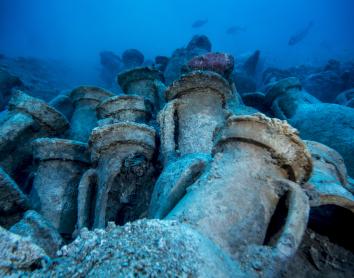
(298, 37)
(199, 23)
(235, 30)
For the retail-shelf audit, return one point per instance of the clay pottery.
(64, 105)
(27, 118)
(327, 123)
(125, 108)
(84, 119)
(145, 82)
(329, 182)
(194, 112)
(13, 202)
(257, 163)
(54, 192)
(121, 173)
(285, 96)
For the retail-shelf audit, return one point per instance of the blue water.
(77, 30)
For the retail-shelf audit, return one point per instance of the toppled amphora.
(327, 123)
(55, 185)
(257, 164)
(329, 180)
(28, 118)
(119, 185)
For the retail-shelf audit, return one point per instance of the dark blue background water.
(76, 31)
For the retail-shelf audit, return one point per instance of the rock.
(244, 83)
(111, 66)
(145, 248)
(161, 62)
(251, 64)
(325, 85)
(34, 227)
(197, 46)
(13, 202)
(346, 98)
(199, 41)
(347, 74)
(18, 254)
(41, 78)
(220, 63)
(148, 63)
(7, 83)
(325, 251)
(132, 58)
(332, 65)
(255, 100)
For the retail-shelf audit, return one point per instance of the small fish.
(235, 30)
(326, 45)
(199, 23)
(298, 37)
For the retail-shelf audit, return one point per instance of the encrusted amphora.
(130, 108)
(118, 186)
(84, 119)
(257, 165)
(328, 123)
(61, 164)
(195, 110)
(329, 182)
(145, 82)
(27, 118)
(286, 96)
